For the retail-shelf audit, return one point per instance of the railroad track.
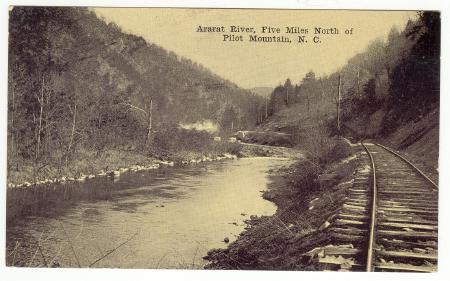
(389, 220)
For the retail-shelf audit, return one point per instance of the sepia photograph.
(222, 139)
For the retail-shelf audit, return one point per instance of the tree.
(78, 84)
(229, 118)
(370, 94)
(147, 115)
(415, 80)
(277, 99)
(309, 77)
(289, 90)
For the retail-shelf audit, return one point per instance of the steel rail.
(371, 244)
(409, 163)
(370, 248)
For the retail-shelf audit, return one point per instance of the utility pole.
(267, 109)
(339, 105)
(238, 117)
(287, 95)
(358, 83)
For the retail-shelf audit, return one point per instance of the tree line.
(77, 83)
(399, 74)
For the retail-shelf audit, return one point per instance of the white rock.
(324, 225)
(81, 179)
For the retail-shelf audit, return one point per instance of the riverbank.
(27, 198)
(90, 165)
(307, 195)
(178, 212)
(57, 187)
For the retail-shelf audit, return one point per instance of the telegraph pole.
(339, 105)
(358, 83)
(267, 112)
(287, 96)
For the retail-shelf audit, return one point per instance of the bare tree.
(147, 116)
(40, 100)
(73, 111)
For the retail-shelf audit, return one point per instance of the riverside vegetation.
(85, 96)
(98, 100)
(88, 102)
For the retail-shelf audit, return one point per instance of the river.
(165, 218)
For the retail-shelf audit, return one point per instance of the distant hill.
(262, 91)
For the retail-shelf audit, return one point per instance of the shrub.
(338, 151)
(305, 176)
(176, 139)
(234, 148)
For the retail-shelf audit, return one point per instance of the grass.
(89, 162)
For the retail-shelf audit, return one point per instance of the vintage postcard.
(207, 138)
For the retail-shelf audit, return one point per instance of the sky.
(254, 64)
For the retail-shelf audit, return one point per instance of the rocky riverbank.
(114, 163)
(307, 195)
(151, 165)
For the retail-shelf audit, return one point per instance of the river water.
(165, 218)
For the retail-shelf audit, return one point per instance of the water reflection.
(167, 218)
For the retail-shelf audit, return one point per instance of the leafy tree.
(76, 83)
(415, 80)
(310, 77)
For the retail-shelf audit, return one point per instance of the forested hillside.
(393, 82)
(78, 84)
